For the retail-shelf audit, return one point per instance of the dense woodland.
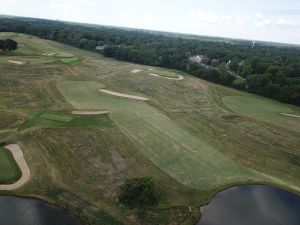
(267, 69)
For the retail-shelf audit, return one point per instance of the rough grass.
(26, 60)
(84, 121)
(9, 170)
(9, 120)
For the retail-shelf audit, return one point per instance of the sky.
(267, 20)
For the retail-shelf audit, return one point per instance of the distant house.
(99, 48)
(241, 63)
(215, 62)
(196, 59)
(228, 63)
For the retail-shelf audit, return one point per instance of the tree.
(2, 45)
(10, 45)
(278, 65)
(138, 192)
(291, 94)
(246, 70)
(257, 83)
(234, 64)
(272, 90)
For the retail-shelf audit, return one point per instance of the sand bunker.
(19, 158)
(136, 71)
(292, 115)
(170, 78)
(123, 95)
(89, 112)
(49, 54)
(16, 62)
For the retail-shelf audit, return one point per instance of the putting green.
(263, 109)
(9, 170)
(58, 118)
(164, 73)
(186, 158)
(68, 60)
(86, 121)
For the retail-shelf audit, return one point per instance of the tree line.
(268, 69)
(8, 45)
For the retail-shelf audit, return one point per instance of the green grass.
(164, 73)
(68, 60)
(263, 109)
(9, 170)
(168, 146)
(64, 55)
(59, 118)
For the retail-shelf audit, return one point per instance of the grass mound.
(58, 118)
(165, 73)
(68, 60)
(263, 109)
(9, 170)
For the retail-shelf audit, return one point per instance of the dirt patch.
(19, 158)
(136, 71)
(90, 112)
(292, 115)
(170, 78)
(16, 62)
(123, 95)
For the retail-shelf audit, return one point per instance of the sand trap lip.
(90, 112)
(123, 95)
(288, 114)
(16, 62)
(170, 78)
(136, 71)
(19, 158)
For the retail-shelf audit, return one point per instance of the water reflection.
(19, 211)
(252, 205)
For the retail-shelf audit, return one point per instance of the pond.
(252, 204)
(16, 211)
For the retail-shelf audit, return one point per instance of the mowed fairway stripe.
(186, 158)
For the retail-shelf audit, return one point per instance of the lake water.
(252, 205)
(21, 211)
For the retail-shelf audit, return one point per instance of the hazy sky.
(271, 20)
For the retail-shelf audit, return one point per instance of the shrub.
(138, 192)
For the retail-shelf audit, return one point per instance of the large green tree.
(11, 45)
(138, 192)
(8, 45)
